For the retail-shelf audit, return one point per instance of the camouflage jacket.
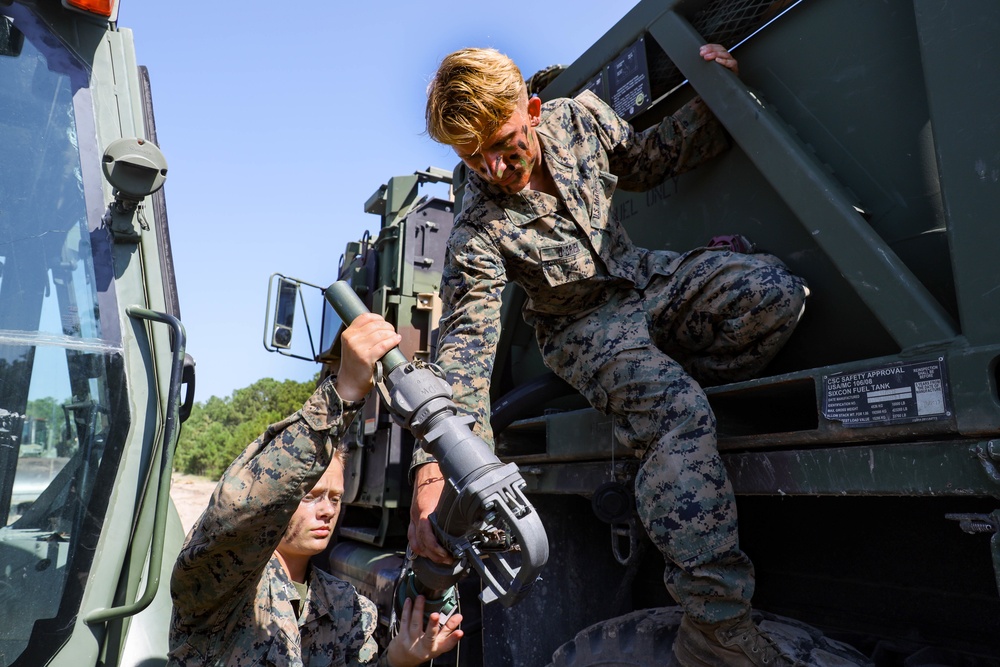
(232, 598)
(568, 253)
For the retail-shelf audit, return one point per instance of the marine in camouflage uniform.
(233, 600)
(630, 328)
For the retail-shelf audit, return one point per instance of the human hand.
(428, 483)
(364, 342)
(415, 645)
(721, 55)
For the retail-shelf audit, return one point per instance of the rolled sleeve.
(678, 143)
(471, 287)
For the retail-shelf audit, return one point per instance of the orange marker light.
(99, 7)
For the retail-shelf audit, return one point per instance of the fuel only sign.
(892, 394)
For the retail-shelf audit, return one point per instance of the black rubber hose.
(516, 403)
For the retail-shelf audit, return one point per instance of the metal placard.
(596, 86)
(628, 81)
(891, 394)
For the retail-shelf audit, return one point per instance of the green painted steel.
(900, 302)
(71, 90)
(395, 273)
(962, 95)
(839, 167)
(865, 156)
(165, 448)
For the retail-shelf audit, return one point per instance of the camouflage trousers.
(720, 317)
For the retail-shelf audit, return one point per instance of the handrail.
(170, 432)
(907, 310)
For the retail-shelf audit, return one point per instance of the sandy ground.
(190, 494)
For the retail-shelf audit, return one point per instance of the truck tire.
(646, 637)
(637, 639)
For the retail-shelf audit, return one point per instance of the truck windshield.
(62, 413)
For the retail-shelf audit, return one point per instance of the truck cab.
(92, 352)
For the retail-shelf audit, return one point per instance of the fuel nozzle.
(437, 583)
(484, 518)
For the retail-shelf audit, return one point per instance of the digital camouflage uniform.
(232, 598)
(626, 326)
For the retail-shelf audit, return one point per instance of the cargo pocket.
(566, 263)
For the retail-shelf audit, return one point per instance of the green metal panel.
(921, 469)
(963, 95)
(888, 287)
(915, 470)
(840, 169)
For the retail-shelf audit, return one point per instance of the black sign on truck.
(891, 394)
(624, 82)
(628, 81)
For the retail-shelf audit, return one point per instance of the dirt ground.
(190, 494)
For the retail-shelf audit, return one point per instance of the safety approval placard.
(891, 394)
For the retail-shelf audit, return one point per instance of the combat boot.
(737, 643)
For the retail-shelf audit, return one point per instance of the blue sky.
(277, 126)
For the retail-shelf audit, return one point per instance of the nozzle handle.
(349, 307)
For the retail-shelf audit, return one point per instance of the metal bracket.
(988, 456)
(622, 534)
(614, 504)
(125, 219)
(983, 523)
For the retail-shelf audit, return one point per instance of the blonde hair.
(472, 94)
(341, 453)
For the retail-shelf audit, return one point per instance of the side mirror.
(284, 314)
(283, 292)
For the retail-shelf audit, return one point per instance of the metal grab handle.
(170, 433)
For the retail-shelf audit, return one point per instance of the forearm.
(698, 132)
(468, 370)
(679, 143)
(469, 330)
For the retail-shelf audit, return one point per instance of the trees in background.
(219, 429)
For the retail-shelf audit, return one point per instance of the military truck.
(866, 155)
(93, 370)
